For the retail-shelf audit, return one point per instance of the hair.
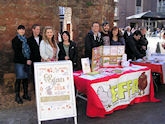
(21, 27)
(67, 33)
(95, 23)
(119, 35)
(52, 43)
(105, 23)
(137, 32)
(35, 25)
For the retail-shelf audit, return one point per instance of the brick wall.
(45, 12)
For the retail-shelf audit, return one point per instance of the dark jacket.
(34, 48)
(17, 47)
(142, 42)
(73, 53)
(132, 50)
(126, 35)
(90, 43)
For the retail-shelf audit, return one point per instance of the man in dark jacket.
(143, 42)
(132, 46)
(106, 34)
(34, 43)
(93, 39)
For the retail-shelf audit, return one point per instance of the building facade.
(131, 7)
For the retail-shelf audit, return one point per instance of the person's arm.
(18, 53)
(88, 47)
(134, 49)
(61, 55)
(43, 50)
(75, 57)
(31, 48)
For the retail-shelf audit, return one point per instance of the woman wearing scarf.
(22, 61)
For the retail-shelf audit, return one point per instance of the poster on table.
(121, 91)
(105, 56)
(85, 65)
(55, 94)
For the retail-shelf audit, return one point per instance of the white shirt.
(37, 40)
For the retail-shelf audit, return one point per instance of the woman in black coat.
(22, 62)
(68, 49)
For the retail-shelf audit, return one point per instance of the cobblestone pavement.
(141, 113)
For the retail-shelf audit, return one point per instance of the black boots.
(25, 87)
(17, 91)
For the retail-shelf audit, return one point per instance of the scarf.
(25, 46)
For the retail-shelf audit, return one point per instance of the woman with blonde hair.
(48, 48)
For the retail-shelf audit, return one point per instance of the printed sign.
(55, 94)
(122, 90)
(85, 65)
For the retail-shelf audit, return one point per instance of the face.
(115, 32)
(65, 37)
(95, 27)
(21, 31)
(143, 31)
(128, 29)
(36, 31)
(106, 28)
(163, 36)
(137, 37)
(49, 33)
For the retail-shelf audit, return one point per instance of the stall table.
(155, 67)
(116, 91)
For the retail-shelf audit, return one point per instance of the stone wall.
(45, 12)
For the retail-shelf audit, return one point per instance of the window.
(139, 6)
(160, 5)
(116, 11)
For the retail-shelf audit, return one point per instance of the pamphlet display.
(105, 56)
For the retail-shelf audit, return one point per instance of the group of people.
(135, 43)
(45, 48)
(38, 48)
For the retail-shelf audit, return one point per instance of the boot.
(17, 91)
(25, 87)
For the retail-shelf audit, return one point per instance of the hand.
(48, 60)
(29, 62)
(163, 45)
(66, 58)
(144, 47)
(144, 58)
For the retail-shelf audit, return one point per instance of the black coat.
(142, 42)
(132, 49)
(73, 53)
(34, 48)
(90, 43)
(17, 47)
(126, 35)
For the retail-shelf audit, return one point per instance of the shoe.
(26, 97)
(18, 100)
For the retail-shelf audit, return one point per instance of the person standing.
(127, 33)
(143, 42)
(34, 44)
(22, 62)
(93, 39)
(106, 34)
(116, 37)
(68, 49)
(48, 47)
(132, 46)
